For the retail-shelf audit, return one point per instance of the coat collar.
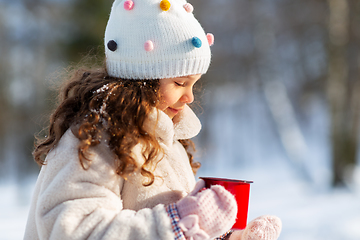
(185, 125)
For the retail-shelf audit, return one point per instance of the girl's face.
(175, 93)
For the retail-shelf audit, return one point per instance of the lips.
(175, 110)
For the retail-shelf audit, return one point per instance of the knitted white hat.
(155, 39)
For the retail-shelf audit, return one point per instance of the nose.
(188, 96)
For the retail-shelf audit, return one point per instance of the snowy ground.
(307, 213)
(14, 207)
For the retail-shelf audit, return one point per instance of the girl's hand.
(208, 213)
(262, 228)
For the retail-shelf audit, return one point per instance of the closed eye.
(180, 84)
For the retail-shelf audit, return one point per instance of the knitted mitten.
(262, 228)
(208, 213)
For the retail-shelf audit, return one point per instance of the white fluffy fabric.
(72, 203)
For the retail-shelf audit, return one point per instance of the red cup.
(241, 190)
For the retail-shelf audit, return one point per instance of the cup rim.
(226, 180)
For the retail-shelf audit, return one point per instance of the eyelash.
(180, 84)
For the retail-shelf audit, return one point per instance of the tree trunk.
(344, 120)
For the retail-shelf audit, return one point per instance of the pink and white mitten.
(261, 228)
(206, 214)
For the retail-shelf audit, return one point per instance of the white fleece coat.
(72, 203)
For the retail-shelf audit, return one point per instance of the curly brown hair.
(96, 106)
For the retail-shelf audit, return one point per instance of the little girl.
(117, 161)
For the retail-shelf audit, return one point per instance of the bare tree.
(342, 91)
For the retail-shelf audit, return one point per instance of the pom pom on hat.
(149, 46)
(165, 5)
(210, 38)
(112, 45)
(128, 5)
(156, 39)
(196, 42)
(188, 7)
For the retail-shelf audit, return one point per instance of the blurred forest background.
(300, 56)
(279, 104)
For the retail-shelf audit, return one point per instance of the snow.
(14, 208)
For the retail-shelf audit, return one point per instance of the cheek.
(165, 96)
(166, 100)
